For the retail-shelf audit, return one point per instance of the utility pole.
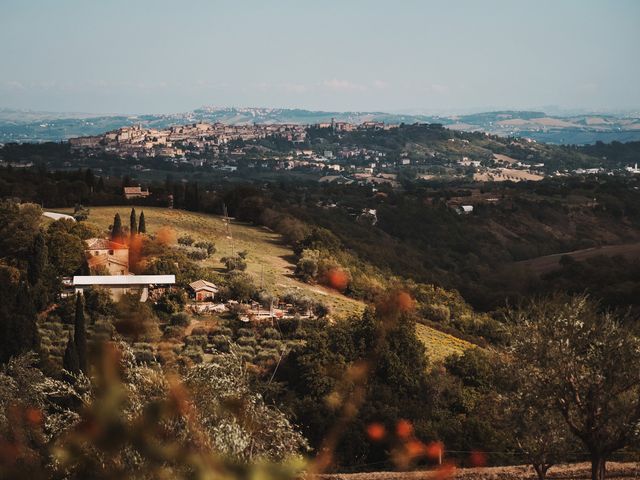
(227, 223)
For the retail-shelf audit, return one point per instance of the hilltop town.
(370, 152)
(136, 141)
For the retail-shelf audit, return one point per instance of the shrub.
(267, 356)
(172, 331)
(186, 240)
(437, 313)
(234, 263)
(198, 340)
(300, 301)
(247, 341)
(289, 325)
(320, 309)
(208, 246)
(98, 302)
(245, 332)
(248, 350)
(144, 356)
(271, 333)
(198, 255)
(180, 319)
(221, 342)
(224, 331)
(199, 331)
(103, 327)
(171, 302)
(307, 266)
(266, 298)
(241, 286)
(246, 356)
(293, 344)
(271, 343)
(194, 352)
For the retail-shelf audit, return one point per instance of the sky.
(139, 56)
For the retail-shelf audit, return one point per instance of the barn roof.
(58, 216)
(203, 285)
(103, 244)
(115, 280)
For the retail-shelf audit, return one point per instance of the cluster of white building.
(136, 141)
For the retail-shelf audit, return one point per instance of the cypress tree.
(142, 226)
(100, 187)
(70, 361)
(116, 231)
(21, 328)
(37, 259)
(89, 178)
(80, 334)
(84, 268)
(133, 227)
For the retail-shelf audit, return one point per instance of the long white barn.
(121, 284)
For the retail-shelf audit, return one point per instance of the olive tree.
(584, 364)
(538, 429)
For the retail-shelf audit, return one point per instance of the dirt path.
(578, 471)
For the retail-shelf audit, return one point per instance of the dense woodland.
(352, 395)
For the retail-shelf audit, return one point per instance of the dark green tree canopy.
(80, 333)
(142, 225)
(38, 259)
(133, 225)
(116, 229)
(70, 361)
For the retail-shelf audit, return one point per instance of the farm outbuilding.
(203, 291)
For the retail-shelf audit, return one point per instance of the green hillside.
(269, 261)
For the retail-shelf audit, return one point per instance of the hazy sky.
(135, 56)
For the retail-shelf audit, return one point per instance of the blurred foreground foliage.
(134, 421)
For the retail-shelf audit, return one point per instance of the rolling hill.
(269, 260)
(29, 126)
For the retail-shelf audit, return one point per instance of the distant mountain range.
(29, 126)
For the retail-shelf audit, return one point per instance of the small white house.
(464, 209)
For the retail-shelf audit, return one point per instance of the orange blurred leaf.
(404, 429)
(376, 432)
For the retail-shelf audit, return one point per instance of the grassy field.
(440, 345)
(269, 261)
